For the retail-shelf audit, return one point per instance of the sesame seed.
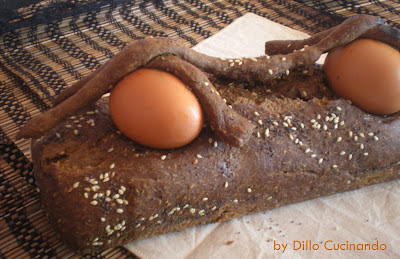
(285, 124)
(248, 190)
(210, 140)
(123, 188)
(103, 219)
(72, 117)
(112, 166)
(58, 135)
(235, 201)
(320, 161)
(138, 225)
(205, 199)
(287, 72)
(350, 134)
(215, 143)
(258, 134)
(275, 123)
(267, 132)
(302, 125)
(101, 177)
(313, 155)
(76, 132)
(95, 196)
(108, 192)
(110, 150)
(376, 138)
(226, 184)
(318, 116)
(296, 141)
(68, 126)
(256, 113)
(254, 59)
(339, 139)
(334, 166)
(338, 108)
(341, 123)
(121, 192)
(90, 112)
(201, 212)
(172, 211)
(163, 157)
(268, 57)
(291, 136)
(325, 127)
(312, 121)
(371, 134)
(206, 83)
(187, 205)
(107, 199)
(87, 189)
(308, 150)
(119, 201)
(260, 122)
(303, 49)
(214, 208)
(362, 135)
(86, 195)
(270, 71)
(355, 138)
(327, 118)
(101, 195)
(76, 185)
(106, 179)
(199, 156)
(93, 202)
(343, 153)
(125, 202)
(120, 211)
(350, 156)
(283, 59)
(361, 146)
(366, 154)
(269, 198)
(192, 210)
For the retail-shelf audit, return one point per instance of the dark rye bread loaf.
(100, 189)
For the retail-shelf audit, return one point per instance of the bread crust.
(100, 189)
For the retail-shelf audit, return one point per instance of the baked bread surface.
(100, 189)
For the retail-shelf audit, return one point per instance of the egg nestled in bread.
(155, 109)
(366, 72)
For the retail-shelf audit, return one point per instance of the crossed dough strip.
(264, 68)
(372, 27)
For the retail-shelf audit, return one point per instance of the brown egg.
(367, 72)
(156, 109)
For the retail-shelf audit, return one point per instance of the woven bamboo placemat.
(47, 46)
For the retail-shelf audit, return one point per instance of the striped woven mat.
(47, 46)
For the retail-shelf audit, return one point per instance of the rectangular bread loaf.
(100, 189)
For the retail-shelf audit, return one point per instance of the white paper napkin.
(308, 229)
